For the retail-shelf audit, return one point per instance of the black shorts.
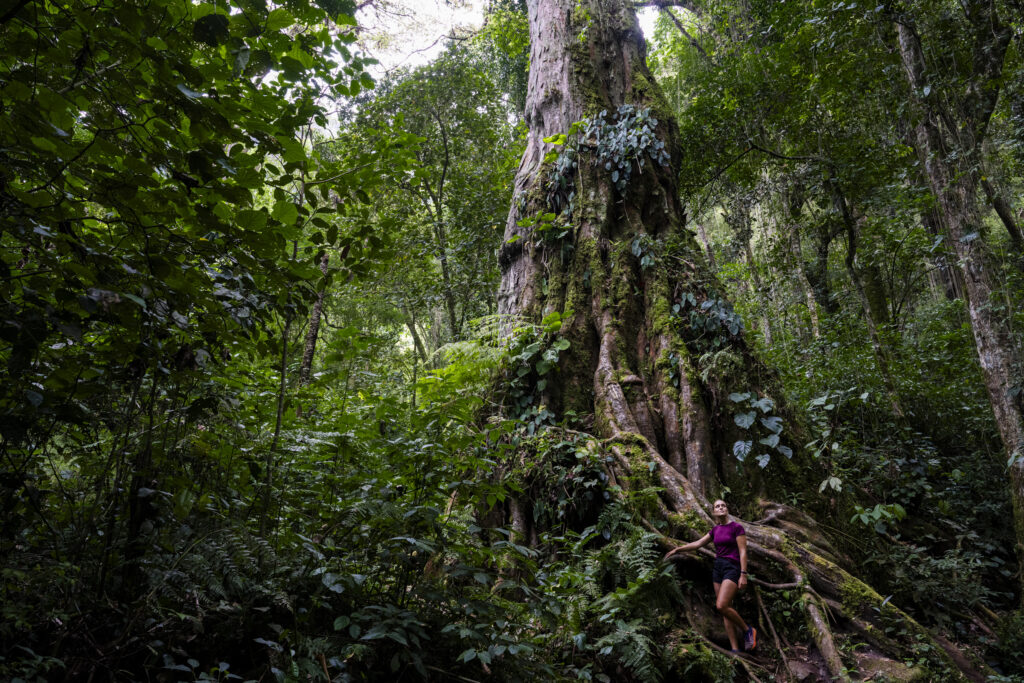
(725, 569)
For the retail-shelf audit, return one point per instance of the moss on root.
(689, 521)
(897, 627)
(692, 660)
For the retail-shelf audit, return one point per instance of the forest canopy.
(314, 370)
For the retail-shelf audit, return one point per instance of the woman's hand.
(704, 540)
(743, 581)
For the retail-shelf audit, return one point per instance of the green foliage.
(444, 216)
(618, 143)
(469, 368)
(1009, 646)
(561, 474)
(792, 115)
(506, 39)
(758, 416)
(710, 324)
(626, 140)
(533, 352)
(879, 516)
(176, 504)
(934, 585)
(644, 249)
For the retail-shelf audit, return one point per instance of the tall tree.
(956, 101)
(597, 235)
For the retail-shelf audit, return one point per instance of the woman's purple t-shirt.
(724, 538)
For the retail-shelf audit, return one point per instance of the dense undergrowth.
(385, 557)
(178, 505)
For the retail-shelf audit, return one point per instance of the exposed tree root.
(822, 633)
(747, 665)
(786, 676)
(807, 564)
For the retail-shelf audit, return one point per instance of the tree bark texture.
(588, 57)
(655, 396)
(815, 269)
(949, 143)
(795, 258)
(410, 323)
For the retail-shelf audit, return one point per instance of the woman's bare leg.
(724, 593)
(731, 628)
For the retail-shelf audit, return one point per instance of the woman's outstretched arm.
(699, 543)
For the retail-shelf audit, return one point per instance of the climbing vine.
(757, 419)
(712, 323)
(619, 142)
(533, 354)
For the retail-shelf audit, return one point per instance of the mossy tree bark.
(616, 274)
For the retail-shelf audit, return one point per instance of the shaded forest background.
(260, 417)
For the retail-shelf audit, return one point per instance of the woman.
(729, 573)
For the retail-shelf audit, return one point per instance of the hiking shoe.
(750, 639)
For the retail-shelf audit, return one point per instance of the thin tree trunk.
(794, 201)
(309, 350)
(815, 270)
(946, 276)
(448, 293)
(873, 312)
(803, 285)
(410, 324)
(739, 219)
(760, 293)
(440, 233)
(268, 460)
(703, 235)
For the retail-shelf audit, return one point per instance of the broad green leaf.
(285, 211)
(44, 144)
(741, 449)
(252, 219)
(278, 19)
(744, 420)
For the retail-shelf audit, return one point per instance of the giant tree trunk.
(616, 274)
